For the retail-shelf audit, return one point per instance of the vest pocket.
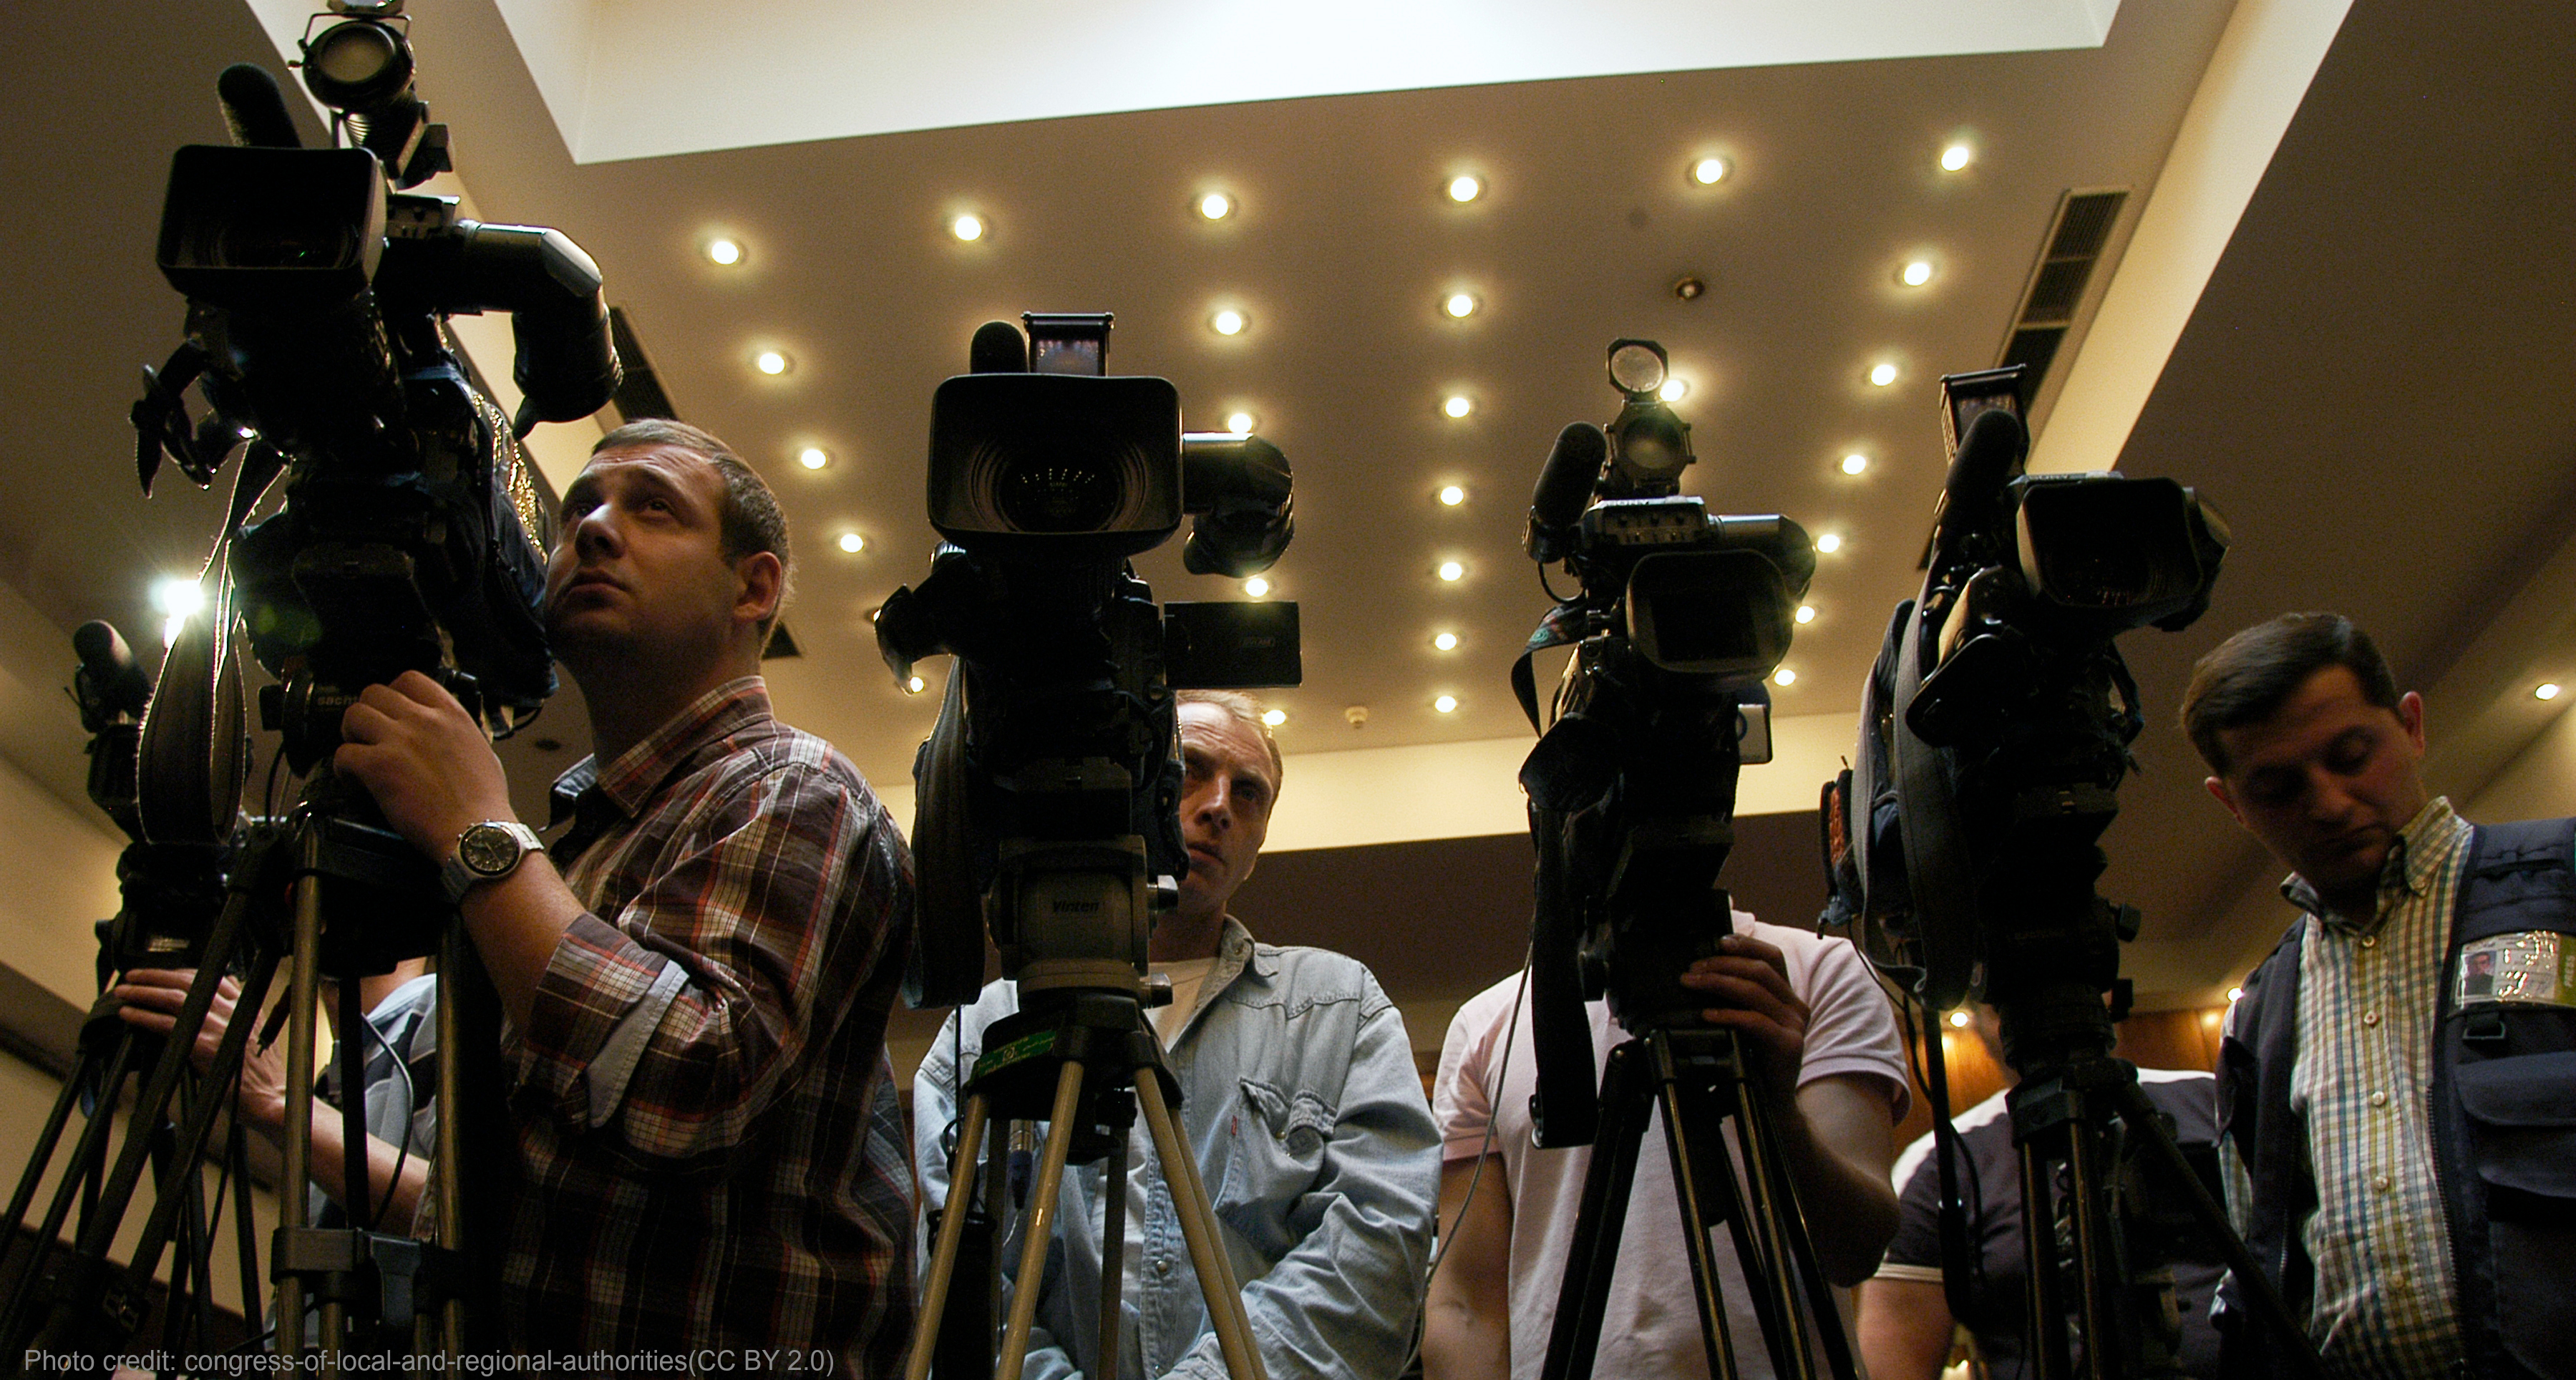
(2522, 1116)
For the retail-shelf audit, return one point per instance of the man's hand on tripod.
(425, 760)
(152, 998)
(1752, 979)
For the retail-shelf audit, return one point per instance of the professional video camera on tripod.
(1049, 805)
(412, 536)
(1680, 618)
(1962, 853)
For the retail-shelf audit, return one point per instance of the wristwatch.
(486, 852)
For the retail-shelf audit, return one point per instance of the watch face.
(487, 850)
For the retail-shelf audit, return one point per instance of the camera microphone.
(254, 108)
(1979, 470)
(1564, 486)
(108, 669)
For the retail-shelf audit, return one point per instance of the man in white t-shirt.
(1823, 1042)
(1301, 1104)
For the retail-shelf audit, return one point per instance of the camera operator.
(709, 1147)
(1300, 1101)
(1904, 1317)
(2393, 1087)
(401, 1114)
(1824, 1044)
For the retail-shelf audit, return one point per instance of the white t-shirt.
(1650, 1326)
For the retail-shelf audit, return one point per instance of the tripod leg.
(447, 1171)
(1113, 1231)
(87, 1149)
(1607, 1179)
(303, 999)
(1680, 1126)
(2099, 1271)
(1040, 1221)
(1198, 1232)
(1792, 1250)
(952, 1231)
(2039, 1231)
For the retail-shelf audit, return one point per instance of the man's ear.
(2218, 791)
(763, 578)
(2410, 715)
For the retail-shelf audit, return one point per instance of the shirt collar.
(630, 782)
(2413, 864)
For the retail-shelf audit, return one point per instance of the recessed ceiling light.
(1447, 642)
(2235, 994)
(1216, 206)
(724, 251)
(770, 362)
(1240, 423)
(1784, 676)
(813, 457)
(1458, 405)
(967, 227)
(912, 685)
(1274, 717)
(178, 597)
(1883, 374)
(1958, 1020)
(1228, 322)
(1855, 462)
(1256, 586)
(1675, 389)
(1445, 704)
(1806, 613)
(1460, 304)
(1453, 495)
(1916, 273)
(1956, 157)
(1451, 570)
(1708, 172)
(1829, 543)
(2546, 690)
(1464, 188)
(853, 543)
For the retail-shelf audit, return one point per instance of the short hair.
(1247, 709)
(2251, 675)
(750, 521)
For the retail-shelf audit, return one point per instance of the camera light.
(912, 685)
(1228, 322)
(1458, 405)
(2235, 994)
(1829, 543)
(2546, 690)
(1460, 305)
(1464, 189)
(1452, 496)
(813, 457)
(853, 543)
(1452, 571)
(178, 598)
(968, 228)
(1855, 462)
(1256, 586)
(1708, 172)
(1216, 206)
(724, 251)
(1883, 375)
(1784, 676)
(1958, 1020)
(1447, 642)
(1240, 423)
(1446, 704)
(1806, 613)
(1272, 718)
(1956, 157)
(1917, 273)
(1674, 389)
(770, 362)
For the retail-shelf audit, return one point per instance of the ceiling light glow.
(1956, 157)
(1829, 543)
(1958, 1020)
(1458, 405)
(1228, 322)
(853, 543)
(1446, 704)
(2235, 994)
(1806, 613)
(1460, 305)
(968, 228)
(1447, 642)
(770, 362)
(1674, 389)
(1216, 206)
(1464, 189)
(1240, 423)
(724, 251)
(1916, 274)
(1452, 496)
(1708, 172)
(912, 685)
(1256, 587)
(2546, 690)
(1452, 571)
(1883, 375)
(1274, 717)
(813, 457)
(1784, 676)
(1855, 462)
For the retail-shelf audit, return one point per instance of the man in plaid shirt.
(710, 1153)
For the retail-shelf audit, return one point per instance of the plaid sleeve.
(775, 897)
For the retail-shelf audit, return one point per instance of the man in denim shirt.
(1299, 1098)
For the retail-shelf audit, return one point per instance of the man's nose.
(595, 532)
(1215, 803)
(2328, 798)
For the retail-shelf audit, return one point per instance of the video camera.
(413, 534)
(1680, 616)
(1049, 805)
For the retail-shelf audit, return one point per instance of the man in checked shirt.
(2397, 1088)
(710, 1153)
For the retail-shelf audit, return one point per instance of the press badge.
(2534, 968)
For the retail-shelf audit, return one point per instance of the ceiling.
(2371, 384)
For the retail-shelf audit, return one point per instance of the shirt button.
(1164, 1267)
(2370, 1018)
(2370, 941)
(2379, 1183)
(2379, 1099)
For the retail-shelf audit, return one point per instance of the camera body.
(1680, 618)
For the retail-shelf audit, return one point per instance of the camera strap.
(1562, 627)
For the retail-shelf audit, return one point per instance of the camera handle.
(1078, 1067)
(1698, 1078)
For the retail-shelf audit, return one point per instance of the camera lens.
(1653, 445)
(1058, 497)
(357, 64)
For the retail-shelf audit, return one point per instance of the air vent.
(2075, 240)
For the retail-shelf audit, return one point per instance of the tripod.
(1696, 1078)
(1076, 1060)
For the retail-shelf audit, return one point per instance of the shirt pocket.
(1274, 1152)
